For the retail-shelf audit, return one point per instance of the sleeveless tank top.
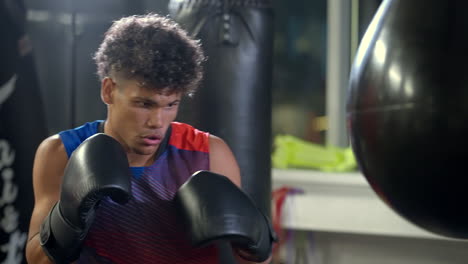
(147, 229)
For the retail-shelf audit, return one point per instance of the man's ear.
(107, 90)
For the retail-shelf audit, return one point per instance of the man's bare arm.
(222, 161)
(49, 165)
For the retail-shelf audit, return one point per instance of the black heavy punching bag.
(22, 128)
(408, 111)
(234, 101)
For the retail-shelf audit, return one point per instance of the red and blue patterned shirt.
(147, 228)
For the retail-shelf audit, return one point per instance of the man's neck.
(137, 160)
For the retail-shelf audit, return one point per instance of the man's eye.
(143, 104)
(171, 105)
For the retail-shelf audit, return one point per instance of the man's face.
(139, 117)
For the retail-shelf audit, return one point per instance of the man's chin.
(149, 150)
(144, 153)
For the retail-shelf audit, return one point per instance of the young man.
(146, 65)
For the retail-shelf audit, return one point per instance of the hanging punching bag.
(22, 128)
(407, 111)
(234, 100)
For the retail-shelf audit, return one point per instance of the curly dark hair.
(153, 50)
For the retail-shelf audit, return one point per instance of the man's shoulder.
(86, 127)
(52, 141)
(72, 138)
(185, 136)
(51, 146)
(184, 127)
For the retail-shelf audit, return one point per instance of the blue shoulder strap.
(72, 138)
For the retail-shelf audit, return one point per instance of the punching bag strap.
(226, 35)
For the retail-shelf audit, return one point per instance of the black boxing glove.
(96, 169)
(215, 208)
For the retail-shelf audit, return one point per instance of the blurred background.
(66, 33)
(314, 46)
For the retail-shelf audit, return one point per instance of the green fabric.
(292, 152)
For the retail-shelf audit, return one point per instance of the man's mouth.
(152, 139)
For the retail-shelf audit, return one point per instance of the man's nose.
(155, 119)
